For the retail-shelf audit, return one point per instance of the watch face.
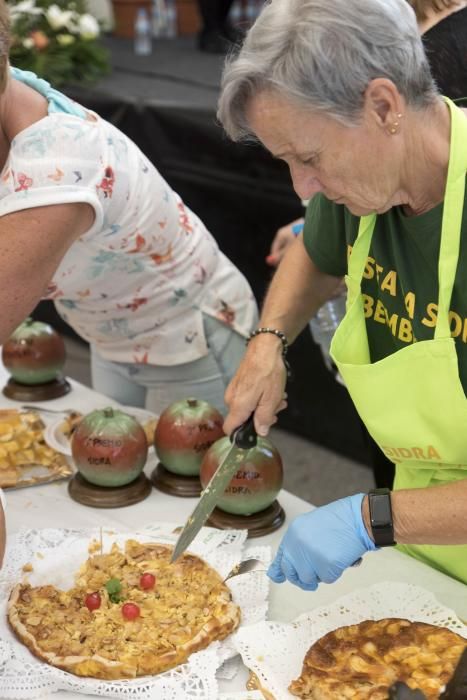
(381, 515)
(381, 518)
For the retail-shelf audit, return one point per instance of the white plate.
(54, 436)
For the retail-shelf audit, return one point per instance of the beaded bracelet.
(282, 337)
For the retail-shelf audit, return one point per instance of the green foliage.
(58, 40)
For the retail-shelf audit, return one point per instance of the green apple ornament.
(34, 353)
(256, 483)
(184, 432)
(109, 448)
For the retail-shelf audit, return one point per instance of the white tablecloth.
(50, 506)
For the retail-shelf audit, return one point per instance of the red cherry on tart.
(130, 611)
(93, 601)
(147, 581)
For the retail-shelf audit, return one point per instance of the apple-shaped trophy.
(34, 355)
(109, 449)
(249, 501)
(184, 433)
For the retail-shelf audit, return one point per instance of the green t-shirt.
(400, 282)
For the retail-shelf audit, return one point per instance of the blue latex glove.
(320, 545)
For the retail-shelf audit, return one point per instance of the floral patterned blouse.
(138, 282)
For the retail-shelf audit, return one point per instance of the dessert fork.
(245, 567)
(26, 407)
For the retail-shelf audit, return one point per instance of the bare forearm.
(296, 293)
(435, 515)
(32, 244)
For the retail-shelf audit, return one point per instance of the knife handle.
(245, 435)
(401, 691)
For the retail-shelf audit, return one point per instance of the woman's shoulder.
(26, 107)
(57, 135)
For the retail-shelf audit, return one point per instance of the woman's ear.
(384, 104)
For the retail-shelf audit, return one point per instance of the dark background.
(166, 103)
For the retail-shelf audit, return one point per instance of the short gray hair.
(322, 54)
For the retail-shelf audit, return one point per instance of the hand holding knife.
(243, 439)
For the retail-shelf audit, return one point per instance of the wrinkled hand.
(320, 545)
(258, 386)
(283, 238)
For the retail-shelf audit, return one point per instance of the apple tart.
(130, 613)
(362, 661)
(25, 458)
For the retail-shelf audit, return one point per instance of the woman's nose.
(305, 184)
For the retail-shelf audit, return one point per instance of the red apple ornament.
(256, 483)
(34, 353)
(184, 432)
(109, 448)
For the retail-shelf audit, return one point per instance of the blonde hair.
(4, 45)
(421, 7)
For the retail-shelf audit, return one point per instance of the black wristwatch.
(382, 528)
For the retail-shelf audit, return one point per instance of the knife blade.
(243, 439)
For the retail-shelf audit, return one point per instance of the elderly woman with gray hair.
(342, 92)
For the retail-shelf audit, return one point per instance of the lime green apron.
(412, 402)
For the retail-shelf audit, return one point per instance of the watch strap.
(382, 526)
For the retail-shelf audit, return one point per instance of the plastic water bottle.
(157, 19)
(143, 33)
(171, 15)
(324, 325)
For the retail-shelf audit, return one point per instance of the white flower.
(58, 18)
(65, 39)
(26, 7)
(88, 27)
(28, 43)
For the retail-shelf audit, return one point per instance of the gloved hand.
(319, 545)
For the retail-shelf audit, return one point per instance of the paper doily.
(56, 556)
(274, 651)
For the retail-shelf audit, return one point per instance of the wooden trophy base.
(89, 494)
(257, 524)
(176, 484)
(36, 392)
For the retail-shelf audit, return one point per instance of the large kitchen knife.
(243, 439)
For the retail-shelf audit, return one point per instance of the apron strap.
(452, 227)
(359, 255)
(450, 231)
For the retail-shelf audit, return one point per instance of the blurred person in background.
(342, 92)
(88, 222)
(217, 33)
(443, 25)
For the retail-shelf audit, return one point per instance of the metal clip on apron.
(413, 400)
